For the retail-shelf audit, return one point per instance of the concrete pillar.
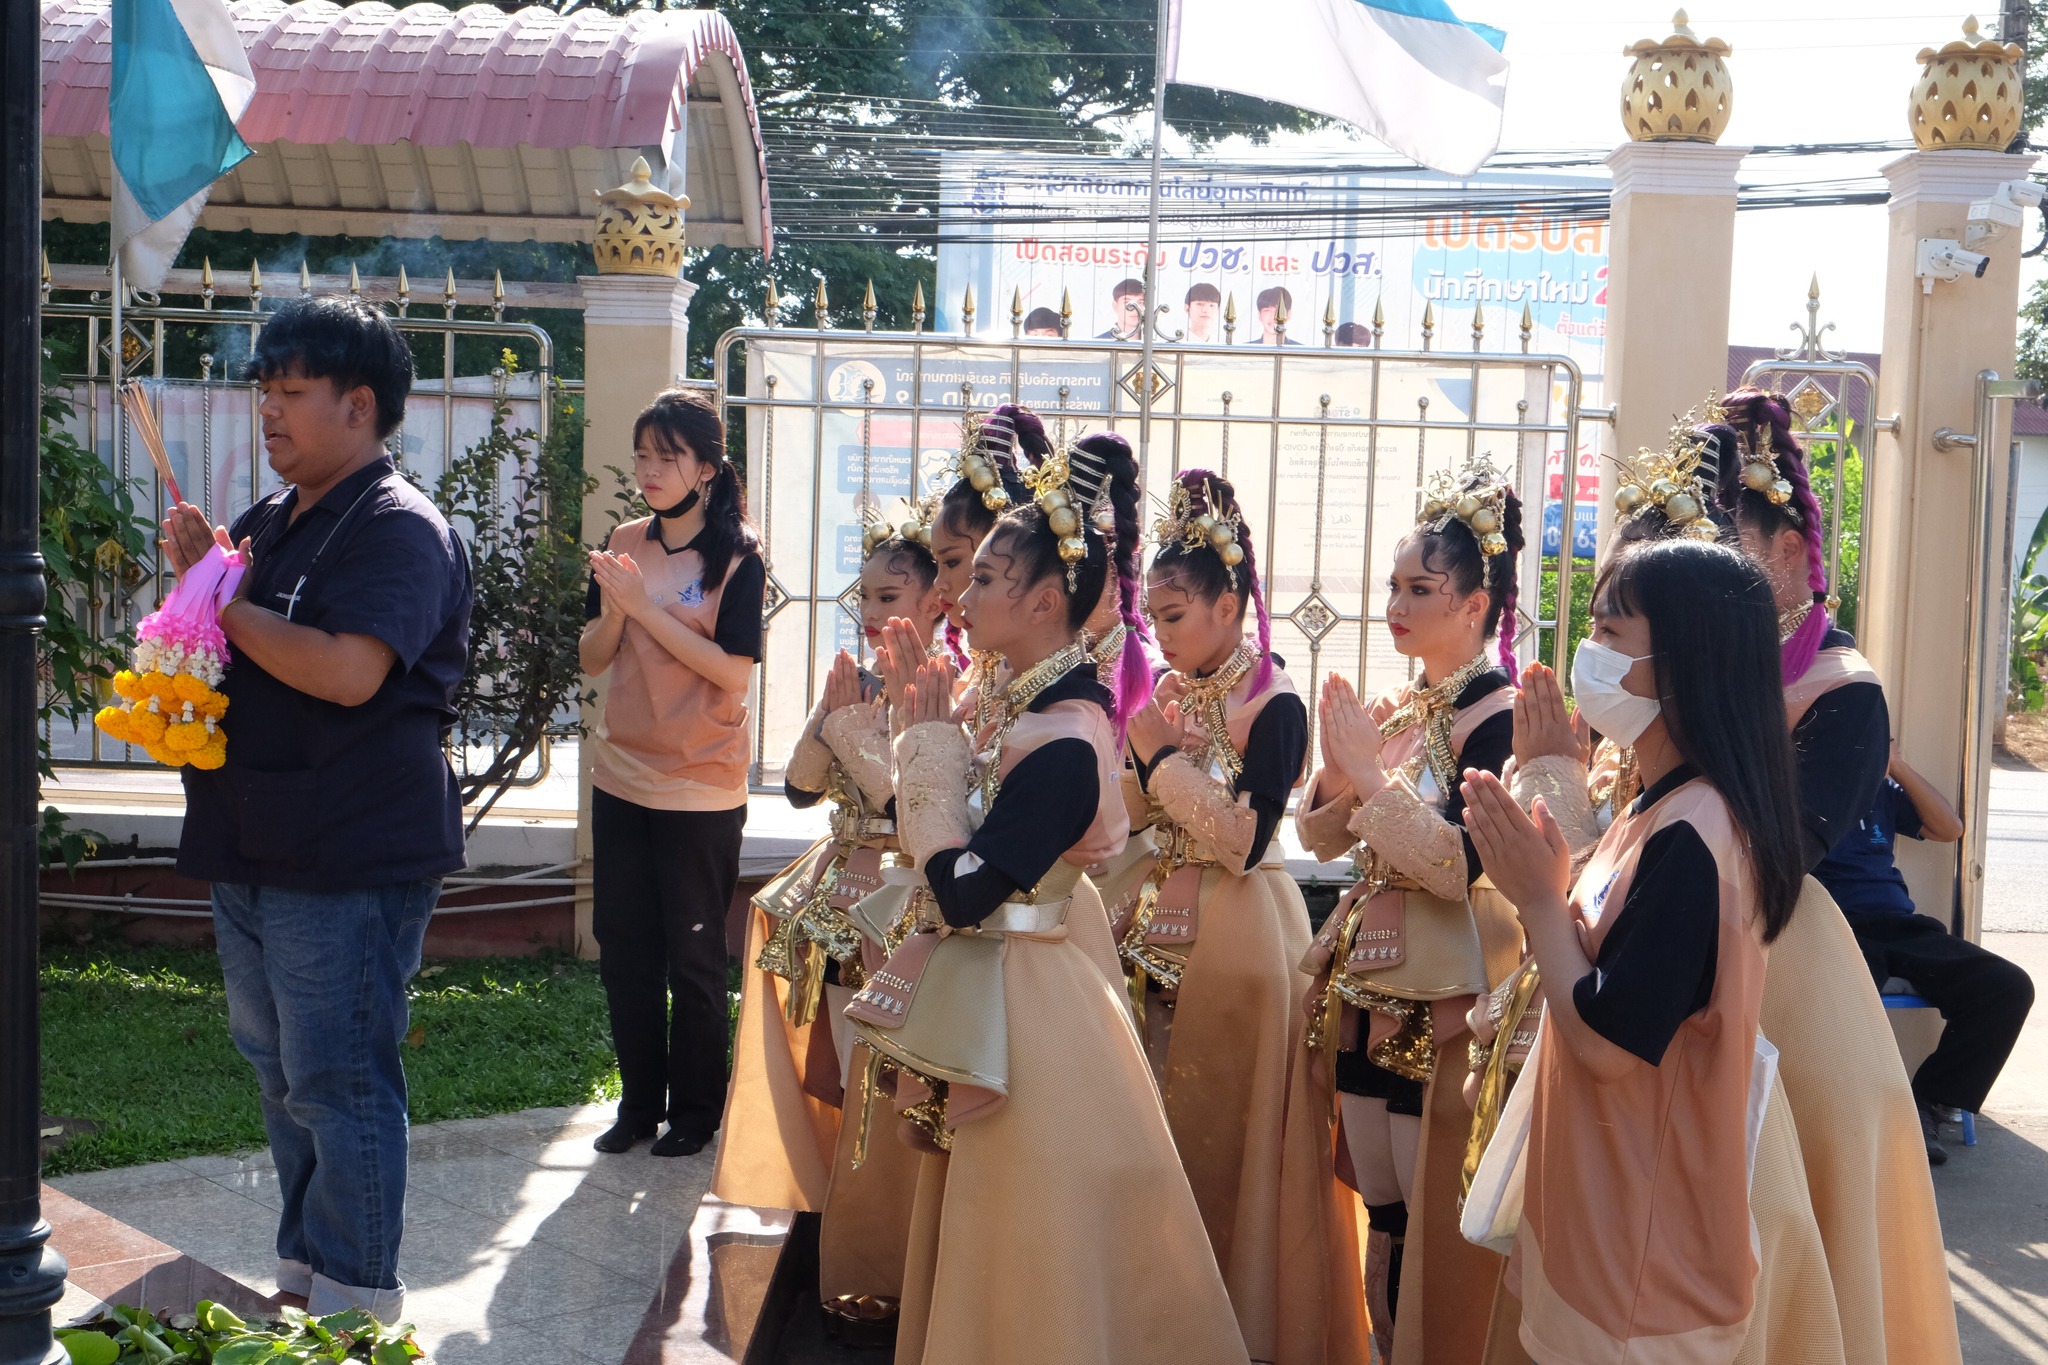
(636, 331)
(1917, 568)
(1671, 255)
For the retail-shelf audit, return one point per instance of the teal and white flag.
(1409, 72)
(181, 79)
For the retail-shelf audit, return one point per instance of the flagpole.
(1151, 275)
(31, 1270)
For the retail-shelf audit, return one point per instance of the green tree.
(518, 502)
(93, 547)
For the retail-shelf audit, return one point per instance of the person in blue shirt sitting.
(1983, 997)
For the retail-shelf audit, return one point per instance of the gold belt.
(1147, 962)
(1410, 1051)
(797, 950)
(850, 827)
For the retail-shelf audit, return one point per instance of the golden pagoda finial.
(640, 228)
(1969, 93)
(1678, 89)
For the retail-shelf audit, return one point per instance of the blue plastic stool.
(1905, 1000)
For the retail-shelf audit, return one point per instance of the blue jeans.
(316, 1002)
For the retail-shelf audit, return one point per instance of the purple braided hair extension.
(1796, 655)
(956, 647)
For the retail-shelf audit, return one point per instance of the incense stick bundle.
(136, 399)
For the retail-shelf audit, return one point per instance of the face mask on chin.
(1608, 707)
(682, 508)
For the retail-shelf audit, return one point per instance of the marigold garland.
(171, 705)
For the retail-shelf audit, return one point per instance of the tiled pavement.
(521, 1242)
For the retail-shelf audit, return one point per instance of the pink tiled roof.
(373, 75)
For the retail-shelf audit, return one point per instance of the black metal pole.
(31, 1271)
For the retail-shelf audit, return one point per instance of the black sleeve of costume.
(1842, 746)
(1656, 965)
(1273, 755)
(800, 798)
(1044, 808)
(1487, 749)
(738, 629)
(593, 596)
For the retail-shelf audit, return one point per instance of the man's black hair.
(343, 340)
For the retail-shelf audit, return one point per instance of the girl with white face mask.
(1404, 953)
(1652, 972)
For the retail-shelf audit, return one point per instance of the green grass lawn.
(136, 1039)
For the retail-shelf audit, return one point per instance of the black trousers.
(1983, 997)
(662, 882)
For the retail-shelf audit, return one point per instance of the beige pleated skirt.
(1061, 1228)
(1254, 1130)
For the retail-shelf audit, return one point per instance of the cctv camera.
(1941, 258)
(2025, 193)
(1990, 218)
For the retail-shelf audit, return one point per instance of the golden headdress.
(1477, 495)
(908, 521)
(1191, 526)
(1070, 485)
(1670, 479)
(984, 441)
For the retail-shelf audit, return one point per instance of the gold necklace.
(1435, 708)
(982, 667)
(1108, 652)
(1789, 622)
(1208, 699)
(1014, 699)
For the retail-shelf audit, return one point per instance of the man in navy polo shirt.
(1983, 997)
(328, 830)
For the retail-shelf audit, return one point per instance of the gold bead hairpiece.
(1760, 473)
(1069, 486)
(910, 522)
(1184, 526)
(1669, 479)
(977, 465)
(1483, 508)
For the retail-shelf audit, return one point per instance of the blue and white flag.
(1409, 72)
(181, 80)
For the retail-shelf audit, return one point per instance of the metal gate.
(1328, 447)
(186, 357)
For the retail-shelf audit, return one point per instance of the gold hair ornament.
(910, 523)
(1483, 508)
(1070, 485)
(1191, 530)
(977, 465)
(1760, 473)
(1669, 480)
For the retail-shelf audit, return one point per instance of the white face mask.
(1597, 672)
